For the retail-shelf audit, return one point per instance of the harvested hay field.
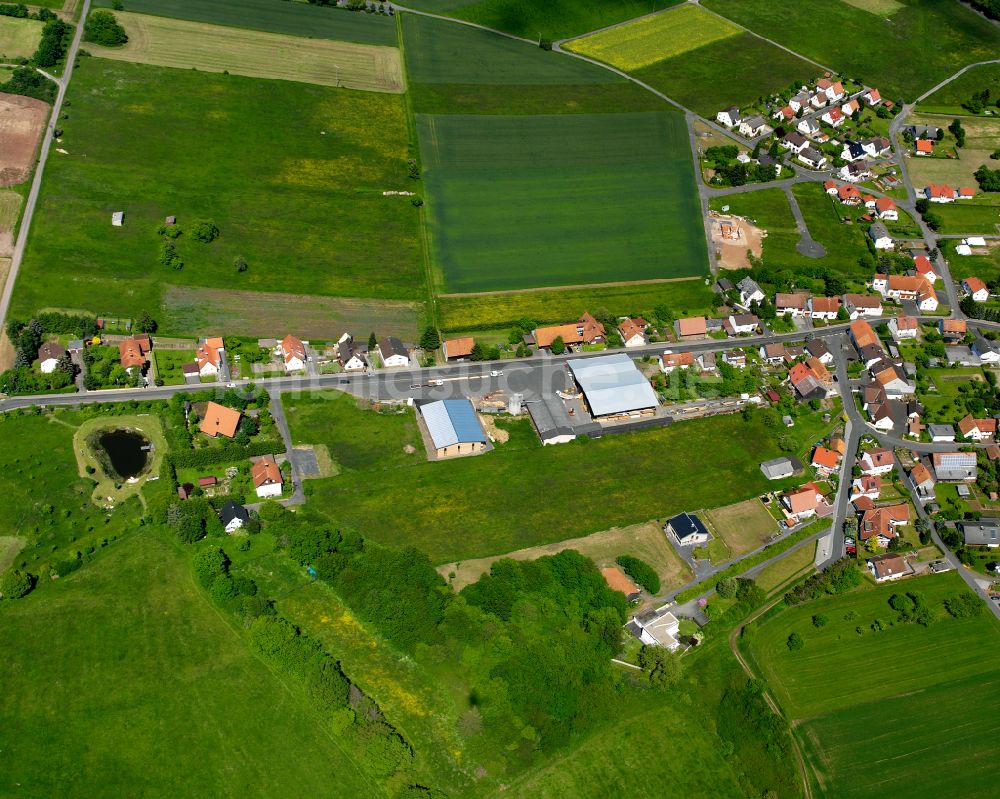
(743, 526)
(18, 37)
(199, 311)
(10, 205)
(646, 541)
(22, 120)
(214, 48)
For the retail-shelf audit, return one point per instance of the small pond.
(127, 451)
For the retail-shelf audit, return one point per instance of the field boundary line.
(575, 287)
(946, 81)
(734, 648)
(624, 22)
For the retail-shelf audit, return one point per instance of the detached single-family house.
(877, 147)
(924, 268)
(808, 127)
(675, 360)
(872, 97)
(975, 288)
(799, 101)
(687, 529)
(351, 357)
(885, 208)
(730, 117)
(855, 172)
(293, 352)
(220, 420)
(817, 349)
(862, 335)
(850, 107)
(940, 433)
(266, 476)
(922, 482)
(393, 353)
(773, 353)
(853, 151)
(587, 330)
(877, 461)
(749, 291)
(879, 234)
(132, 352)
(209, 356)
(794, 141)
(833, 89)
(881, 523)
(924, 132)
(739, 324)
(233, 516)
(985, 349)
(923, 147)
(868, 485)
(825, 461)
(940, 193)
(888, 567)
(655, 628)
(753, 126)
(633, 331)
(737, 359)
(952, 329)
(892, 378)
(49, 355)
(984, 533)
(849, 194)
(824, 307)
(955, 467)
(834, 117)
(804, 502)
(784, 114)
(812, 158)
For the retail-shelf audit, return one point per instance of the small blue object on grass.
(312, 572)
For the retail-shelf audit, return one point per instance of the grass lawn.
(844, 243)
(743, 526)
(19, 38)
(646, 541)
(10, 208)
(650, 39)
(10, 545)
(124, 678)
(943, 403)
(594, 198)
(985, 266)
(179, 43)
(430, 506)
(43, 489)
(870, 47)
(684, 297)
(557, 19)
(948, 99)
(702, 79)
(835, 682)
(780, 572)
(297, 19)
(970, 218)
(291, 174)
(168, 365)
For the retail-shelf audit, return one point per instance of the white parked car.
(496, 373)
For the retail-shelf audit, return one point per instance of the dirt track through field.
(22, 120)
(215, 48)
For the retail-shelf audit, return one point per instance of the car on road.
(496, 372)
(230, 385)
(344, 382)
(435, 382)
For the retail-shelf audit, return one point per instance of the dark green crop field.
(554, 19)
(291, 174)
(297, 19)
(520, 202)
(874, 47)
(917, 706)
(703, 79)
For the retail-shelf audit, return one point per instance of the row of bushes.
(285, 647)
(196, 458)
(834, 579)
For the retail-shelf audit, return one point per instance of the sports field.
(683, 297)
(949, 98)
(291, 174)
(857, 42)
(18, 38)
(593, 199)
(884, 697)
(645, 41)
(424, 504)
(297, 19)
(555, 19)
(215, 48)
(123, 679)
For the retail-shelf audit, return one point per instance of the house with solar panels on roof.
(453, 428)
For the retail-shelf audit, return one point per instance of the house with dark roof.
(887, 567)
(984, 533)
(687, 529)
(49, 355)
(233, 516)
(393, 353)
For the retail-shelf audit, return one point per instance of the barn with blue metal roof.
(453, 427)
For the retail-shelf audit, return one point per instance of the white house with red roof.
(877, 461)
(293, 352)
(975, 288)
(834, 117)
(925, 269)
(872, 97)
(885, 208)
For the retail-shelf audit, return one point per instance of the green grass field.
(868, 47)
(683, 297)
(437, 513)
(594, 199)
(297, 19)
(123, 678)
(291, 174)
(986, 267)
(183, 44)
(553, 20)
(18, 38)
(949, 98)
(878, 696)
(703, 79)
(168, 364)
(795, 563)
(645, 41)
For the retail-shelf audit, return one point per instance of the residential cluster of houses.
(883, 208)
(354, 356)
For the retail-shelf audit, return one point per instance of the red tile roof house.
(824, 307)
(805, 501)
(633, 331)
(266, 476)
(692, 327)
(794, 304)
(132, 352)
(458, 347)
(924, 268)
(975, 288)
(923, 147)
(977, 429)
(886, 209)
(220, 421)
(825, 460)
(881, 523)
(293, 352)
(890, 566)
(868, 485)
(585, 331)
